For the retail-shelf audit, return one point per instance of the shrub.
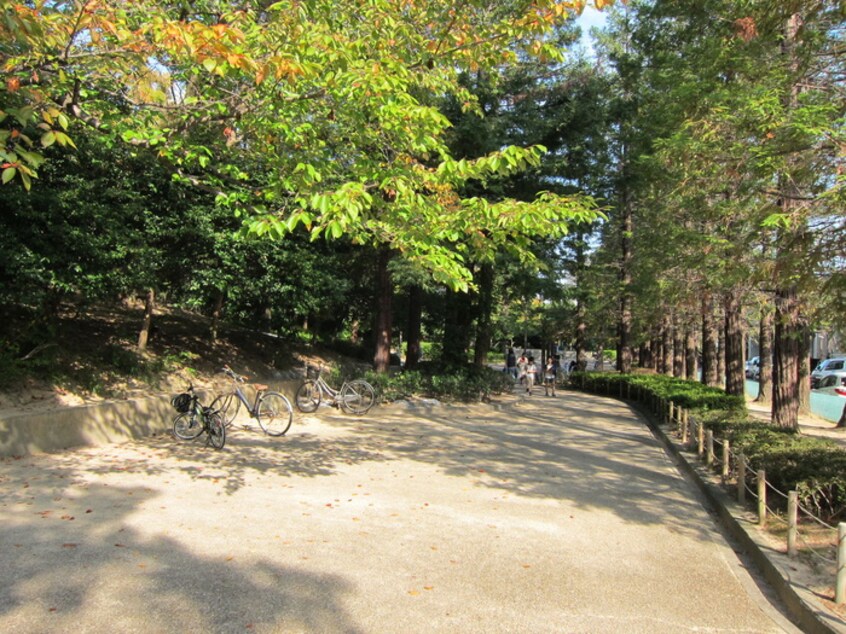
(465, 383)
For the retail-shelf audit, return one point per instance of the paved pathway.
(534, 515)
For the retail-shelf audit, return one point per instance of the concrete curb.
(802, 604)
(98, 423)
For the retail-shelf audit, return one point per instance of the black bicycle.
(193, 419)
(272, 410)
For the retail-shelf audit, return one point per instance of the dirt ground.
(92, 356)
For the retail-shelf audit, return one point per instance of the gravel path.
(531, 515)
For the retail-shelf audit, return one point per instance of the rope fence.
(827, 544)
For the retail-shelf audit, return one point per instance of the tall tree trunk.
(721, 352)
(645, 356)
(667, 345)
(624, 350)
(581, 338)
(765, 357)
(678, 350)
(709, 342)
(690, 354)
(458, 319)
(785, 411)
(414, 326)
(483, 316)
(804, 368)
(384, 312)
(735, 369)
(788, 326)
(149, 306)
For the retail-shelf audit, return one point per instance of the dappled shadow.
(73, 558)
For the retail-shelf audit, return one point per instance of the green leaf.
(8, 174)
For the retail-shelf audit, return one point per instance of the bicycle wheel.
(274, 413)
(357, 397)
(187, 426)
(216, 431)
(308, 396)
(228, 406)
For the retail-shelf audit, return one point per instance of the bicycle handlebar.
(233, 375)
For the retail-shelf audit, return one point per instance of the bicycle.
(272, 410)
(193, 419)
(354, 397)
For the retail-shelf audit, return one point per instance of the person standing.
(511, 363)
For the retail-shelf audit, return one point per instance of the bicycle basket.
(181, 402)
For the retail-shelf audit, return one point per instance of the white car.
(832, 384)
(828, 367)
(753, 368)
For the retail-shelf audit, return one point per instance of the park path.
(528, 515)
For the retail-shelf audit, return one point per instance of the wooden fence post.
(762, 497)
(792, 522)
(726, 461)
(709, 443)
(741, 480)
(700, 438)
(840, 584)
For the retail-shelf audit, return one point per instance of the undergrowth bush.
(464, 383)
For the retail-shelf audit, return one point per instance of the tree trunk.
(384, 313)
(217, 310)
(624, 350)
(785, 411)
(645, 355)
(149, 306)
(842, 421)
(414, 327)
(709, 343)
(581, 330)
(457, 322)
(765, 357)
(667, 345)
(690, 354)
(804, 368)
(483, 315)
(735, 369)
(678, 351)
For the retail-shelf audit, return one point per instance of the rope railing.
(719, 456)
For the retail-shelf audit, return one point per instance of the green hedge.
(465, 383)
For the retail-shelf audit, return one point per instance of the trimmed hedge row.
(813, 467)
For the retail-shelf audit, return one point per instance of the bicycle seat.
(259, 387)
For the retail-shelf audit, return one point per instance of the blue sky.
(589, 18)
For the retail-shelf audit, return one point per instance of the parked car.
(753, 368)
(828, 367)
(832, 384)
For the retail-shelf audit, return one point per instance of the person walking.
(550, 375)
(531, 375)
(522, 364)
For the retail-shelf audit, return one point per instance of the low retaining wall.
(97, 424)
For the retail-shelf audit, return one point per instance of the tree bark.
(785, 412)
(804, 368)
(146, 324)
(217, 310)
(709, 342)
(690, 354)
(765, 357)
(678, 351)
(483, 316)
(667, 345)
(735, 369)
(624, 350)
(384, 313)
(414, 327)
